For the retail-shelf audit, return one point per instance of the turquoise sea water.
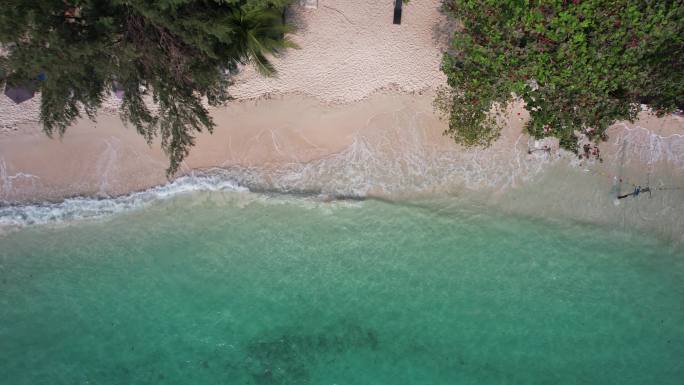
(241, 288)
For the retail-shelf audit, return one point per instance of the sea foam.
(78, 208)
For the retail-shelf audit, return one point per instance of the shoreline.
(388, 146)
(105, 158)
(80, 209)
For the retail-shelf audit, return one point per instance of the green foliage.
(578, 65)
(168, 54)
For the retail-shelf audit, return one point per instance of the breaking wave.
(79, 208)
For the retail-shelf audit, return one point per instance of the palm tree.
(258, 32)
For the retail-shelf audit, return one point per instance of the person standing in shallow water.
(637, 190)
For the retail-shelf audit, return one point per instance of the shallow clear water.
(241, 288)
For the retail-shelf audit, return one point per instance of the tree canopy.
(167, 56)
(578, 65)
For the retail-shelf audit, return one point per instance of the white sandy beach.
(350, 50)
(351, 113)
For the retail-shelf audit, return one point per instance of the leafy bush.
(577, 65)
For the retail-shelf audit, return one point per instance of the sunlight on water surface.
(243, 288)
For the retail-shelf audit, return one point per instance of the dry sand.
(349, 49)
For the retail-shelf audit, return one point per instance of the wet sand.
(105, 158)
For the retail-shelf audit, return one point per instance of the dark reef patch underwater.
(285, 359)
(229, 287)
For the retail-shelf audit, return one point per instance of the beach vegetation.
(578, 65)
(168, 60)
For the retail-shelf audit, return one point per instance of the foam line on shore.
(78, 208)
